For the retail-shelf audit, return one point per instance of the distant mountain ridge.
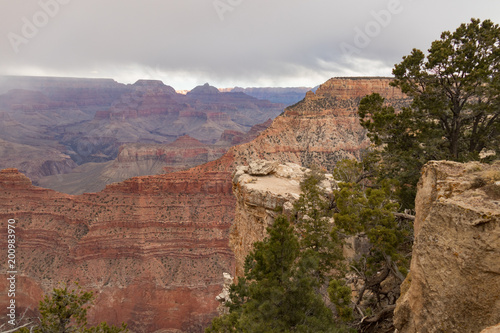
(286, 96)
(65, 122)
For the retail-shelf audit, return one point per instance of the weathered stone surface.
(323, 128)
(261, 167)
(492, 329)
(454, 280)
(154, 248)
(259, 199)
(151, 248)
(224, 296)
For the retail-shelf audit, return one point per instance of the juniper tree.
(278, 291)
(64, 310)
(455, 109)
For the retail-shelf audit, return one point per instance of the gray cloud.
(225, 42)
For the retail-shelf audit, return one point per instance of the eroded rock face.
(154, 248)
(260, 197)
(323, 128)
(454, 280)
(151, 248)
(224, 296)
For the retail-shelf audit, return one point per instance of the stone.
(323, 128)
(492, 329)
(261, 167)
(151, 248)
(454, 280)
(224, 296)
(259, 200)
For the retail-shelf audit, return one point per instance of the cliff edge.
(454, 280)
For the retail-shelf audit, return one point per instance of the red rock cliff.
(152, 248)
(323, 128)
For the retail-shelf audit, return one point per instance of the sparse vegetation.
(455, 113)
(64, 310)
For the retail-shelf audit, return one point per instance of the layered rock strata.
(154, 248)
(324, 127)
(454, 280)
(151, 248)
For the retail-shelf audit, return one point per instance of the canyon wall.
(263, 189)
(323, 128)
(454, 280)
(151, 248)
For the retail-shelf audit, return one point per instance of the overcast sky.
(224, 42)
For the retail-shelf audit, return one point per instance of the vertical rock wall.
(454, 280)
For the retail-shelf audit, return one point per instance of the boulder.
(454, 280)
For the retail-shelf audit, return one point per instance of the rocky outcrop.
(454, 280)
(263, 190)
(154, 248)
(323, 128)
(225, 296)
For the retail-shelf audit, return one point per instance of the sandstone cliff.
(323, 128)
(260, 190)
(454, 281)
(263, 189)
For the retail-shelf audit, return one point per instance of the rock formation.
(138, 159)
(233, 138)
(263, 189)
(151, 248)
(454, 280)
(135, 159)
(224, 296)
(65, 122)
(323, 128)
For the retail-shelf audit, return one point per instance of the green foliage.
(65, 310)
(455, 111)
(352, 171)
(369, 211)
(278, 291)
(314, 216)
(340, 295)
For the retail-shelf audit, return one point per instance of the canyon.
(140, 159)
(154, 248)
(323, 128)
(50, 126)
